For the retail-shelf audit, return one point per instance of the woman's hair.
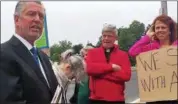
(170, 23)
(76, 62)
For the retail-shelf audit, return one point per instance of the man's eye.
(31, 13)
(41, 16)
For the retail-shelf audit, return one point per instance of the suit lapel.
(44, 67)
(50, 76)
(25, 54)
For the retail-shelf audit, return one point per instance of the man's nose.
(37, 18)
(106, 37)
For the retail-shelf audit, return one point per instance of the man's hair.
(109, 28)
(20, 5)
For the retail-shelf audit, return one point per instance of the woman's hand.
(150, 32)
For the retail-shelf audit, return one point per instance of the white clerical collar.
(108, 50)
(25, 42)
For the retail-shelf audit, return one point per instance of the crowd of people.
(28, 77)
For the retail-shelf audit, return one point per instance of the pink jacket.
(144, 45)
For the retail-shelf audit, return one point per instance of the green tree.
(77, 48)
(57, 49)
(127, 36)
(54, 52)
(64, 45)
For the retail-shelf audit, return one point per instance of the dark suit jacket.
(21, 80)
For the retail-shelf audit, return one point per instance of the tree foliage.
(57, 49)
(77, 48)
(128, 36)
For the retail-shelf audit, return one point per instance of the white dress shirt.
(29, 47)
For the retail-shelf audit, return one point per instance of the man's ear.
(117, 37)
(16, 19)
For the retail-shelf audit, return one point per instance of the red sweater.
(105, 84)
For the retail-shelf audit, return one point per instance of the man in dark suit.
(26, 75)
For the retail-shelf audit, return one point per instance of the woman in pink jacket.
(162, 33)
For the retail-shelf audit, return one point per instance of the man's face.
(108, 39)
(30, 22)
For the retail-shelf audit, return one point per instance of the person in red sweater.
(108, 68)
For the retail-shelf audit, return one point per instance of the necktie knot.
(33, 51)
(35, 54)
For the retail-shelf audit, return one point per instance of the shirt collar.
(115, 47)
(25, 42)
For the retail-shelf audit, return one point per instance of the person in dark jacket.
(26, 75)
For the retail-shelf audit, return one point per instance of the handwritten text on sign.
(157, 74)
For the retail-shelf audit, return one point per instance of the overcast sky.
(82, 21)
